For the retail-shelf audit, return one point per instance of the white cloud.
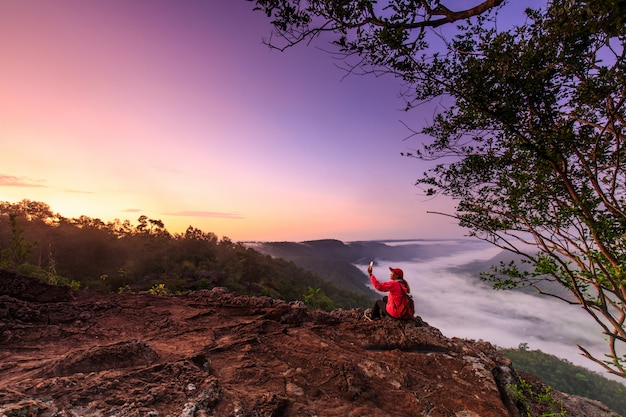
(462, 306)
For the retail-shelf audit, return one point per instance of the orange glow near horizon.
(117, 109)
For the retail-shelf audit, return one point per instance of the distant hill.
(334, 260)
(364, 251)
(474, 270)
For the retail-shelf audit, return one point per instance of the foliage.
(566, 377)
(18, 248)
(158, 289)
(528, 138)
(46, 276)
(523, 394)
(372, 36)
(315, 300)
(125, 290)
(120, 257)
(533, 150)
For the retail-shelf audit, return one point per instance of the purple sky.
(176, 110)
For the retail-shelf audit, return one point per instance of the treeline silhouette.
(116, 256)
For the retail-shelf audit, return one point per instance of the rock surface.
(214, 353)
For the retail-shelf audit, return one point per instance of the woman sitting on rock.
(398, 304)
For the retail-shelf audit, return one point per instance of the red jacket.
(397, 303)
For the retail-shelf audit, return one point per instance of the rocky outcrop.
(214, 353)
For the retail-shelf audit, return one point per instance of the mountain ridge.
(334, 260)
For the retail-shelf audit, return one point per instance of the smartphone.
(371, 264)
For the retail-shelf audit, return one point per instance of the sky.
(178, 111)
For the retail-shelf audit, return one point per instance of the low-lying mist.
(461, 305)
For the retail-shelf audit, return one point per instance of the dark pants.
(380, 308)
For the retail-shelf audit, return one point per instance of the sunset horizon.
(171, 111)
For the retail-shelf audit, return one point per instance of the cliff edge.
(214, 353)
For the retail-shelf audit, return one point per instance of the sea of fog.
(463, 306)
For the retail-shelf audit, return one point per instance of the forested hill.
(564, 376)
(335, 259)
(118, 256)
(364, 251)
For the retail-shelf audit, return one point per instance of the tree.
(19, 248)
(383, 35)
(531, 143)
(30, 210)
(534, 155)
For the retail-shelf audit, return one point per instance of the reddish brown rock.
(213, 353)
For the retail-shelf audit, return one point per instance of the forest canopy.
(117, 256)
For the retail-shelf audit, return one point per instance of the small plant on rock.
(159, 289)
(524, 395)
